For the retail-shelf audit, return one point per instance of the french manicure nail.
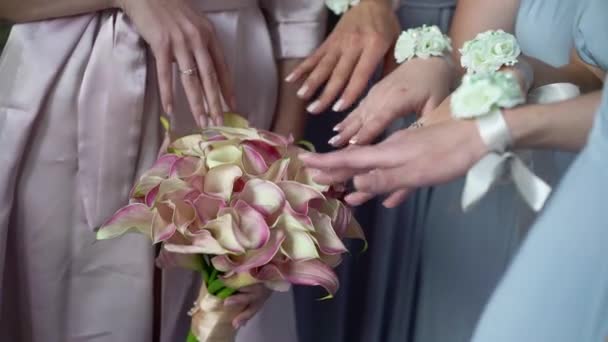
(337, 128)
(169, 109)
(353, 141)
(333, 141)
(338, 105)
(302, 91)
(290, 77)
(313, 106)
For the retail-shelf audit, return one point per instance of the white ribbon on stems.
(500, 164)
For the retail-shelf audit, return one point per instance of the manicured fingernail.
(338, 105)
(231, 302)
(353, 141)
(290, 77)
(169, 109)
(313, 107)
(333, 141)
(337, 128)
(302, 91)
(304, 156)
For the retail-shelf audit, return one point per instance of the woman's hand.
(408, 159)
(350, 55)
(417, 86)
(253, 297)
(179, 32)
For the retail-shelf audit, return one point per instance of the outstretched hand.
(408, 159)
(177, 31)
(346, 61)
(416, 86)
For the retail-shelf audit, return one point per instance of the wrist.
(525, 125)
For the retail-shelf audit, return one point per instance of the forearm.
(32, 10)
(562, 126)
(476, 16)
(290, 115)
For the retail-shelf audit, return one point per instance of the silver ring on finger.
(188, 72)
(416, 124)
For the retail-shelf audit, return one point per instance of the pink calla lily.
(188, 146)
(298, 195)
(199, 242)
(252, 230)
(207, 207)
(252, 259)
(310, 273)
(326, 237)
(277, 171)
(253, 161)
(266, 197)
(223, 230)
(220, 180)
(136, 217)
(186, 167)
(224, 155)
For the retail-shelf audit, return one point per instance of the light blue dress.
(465, 254)
(557, 288)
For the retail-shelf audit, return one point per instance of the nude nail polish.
(333, 141)
(338, 105)
(313, 107)
(302, 91)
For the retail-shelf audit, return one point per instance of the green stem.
(191, 337)
(215, 286)
(225, 293)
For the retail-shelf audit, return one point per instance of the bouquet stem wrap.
(211, 320)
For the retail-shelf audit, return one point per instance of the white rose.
(480, 94)
(421, 42)
(405, 48)
(340, 6)
(432, 44)
(489, 51)
(474, 99)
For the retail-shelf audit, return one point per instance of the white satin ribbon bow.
(499, 164)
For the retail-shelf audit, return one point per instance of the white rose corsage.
(422, 42)
(340, 6)
(489, 51)
(482, 94)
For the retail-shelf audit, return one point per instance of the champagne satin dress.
(79, 120)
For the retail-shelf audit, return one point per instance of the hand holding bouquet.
(236, 204)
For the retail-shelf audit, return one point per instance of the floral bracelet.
(341, 6)
(489, 51)
(423, 42)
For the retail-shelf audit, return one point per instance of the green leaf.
(307, 145)
(226, 292)
(216, 286)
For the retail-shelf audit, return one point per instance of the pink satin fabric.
(79, 120)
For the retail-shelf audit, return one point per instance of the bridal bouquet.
(235, 204)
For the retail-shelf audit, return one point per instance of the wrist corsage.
(422, 42)
(489, 51)
(481, 98)
(340, 6)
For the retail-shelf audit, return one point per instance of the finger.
(223, 73)
(365, 157)
(369, 61)
(329, 177)
(256, 289)
(316, 78)
(191, 83)
(210, 83)
(306, 66)
(165, 79)
(358, 198)
(241, 319)
(239, 299)
(347, 130)
(373, 127)
(336, 84)
(381, 181)
(396, 198)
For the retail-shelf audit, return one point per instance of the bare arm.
(290, 115)
(561, 126)
(31, 10)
